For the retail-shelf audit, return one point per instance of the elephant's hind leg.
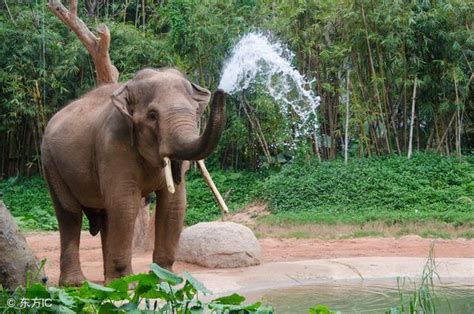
(69, 215)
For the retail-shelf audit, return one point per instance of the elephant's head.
(164, 108)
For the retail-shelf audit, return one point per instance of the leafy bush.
(159, 290)
(237, 188)
(390, 188)
(29, 202)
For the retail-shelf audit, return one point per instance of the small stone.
(219, 245)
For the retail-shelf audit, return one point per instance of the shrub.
(391, 188)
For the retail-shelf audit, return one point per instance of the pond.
(368, 297)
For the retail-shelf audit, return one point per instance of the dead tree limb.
(98, 47)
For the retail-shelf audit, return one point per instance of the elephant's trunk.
(199, 147)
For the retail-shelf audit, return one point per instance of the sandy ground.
(274, 252)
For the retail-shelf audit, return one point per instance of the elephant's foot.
(72, 280)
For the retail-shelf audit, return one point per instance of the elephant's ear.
(120, 101)
(202, 96)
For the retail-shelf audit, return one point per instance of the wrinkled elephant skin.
(103, 152)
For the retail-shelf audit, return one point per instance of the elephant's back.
(69, 141)
(82, 114)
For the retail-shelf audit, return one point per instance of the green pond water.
(368, 297)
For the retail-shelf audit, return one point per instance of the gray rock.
(219, 245)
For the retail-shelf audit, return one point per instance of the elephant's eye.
(152, 115)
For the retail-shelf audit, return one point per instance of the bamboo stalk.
(346, 129)
(256, 126)
(458, 119)
(9, 13)
(410, 142)
(374, 78)
(445, 133)
(210, 183)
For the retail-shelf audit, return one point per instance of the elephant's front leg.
(117, 232)
(170, 210)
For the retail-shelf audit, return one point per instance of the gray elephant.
(105, 151)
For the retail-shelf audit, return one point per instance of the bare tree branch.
(98, 47)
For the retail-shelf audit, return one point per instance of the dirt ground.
(46, 245)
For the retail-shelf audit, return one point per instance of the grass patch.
(300, 234)
(437, 234)
(467, 234)
(366, 233)
(350, 231)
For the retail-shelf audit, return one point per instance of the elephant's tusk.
(168, 175)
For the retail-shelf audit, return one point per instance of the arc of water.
(255, 58)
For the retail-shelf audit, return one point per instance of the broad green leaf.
(106, 308)
(196, 283)
(119, 285)
(253, 306)
(139, 277)
(97, 287)
(233, 299)
(165, 274)
(320, 309)
(37, 291)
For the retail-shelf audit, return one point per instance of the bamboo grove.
(394, 76)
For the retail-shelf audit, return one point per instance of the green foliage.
(320, 309)
(392, 189)
(43, 66)
(423, 297)
(29, 202)
(237, 188)
(157, 291)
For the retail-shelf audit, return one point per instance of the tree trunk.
(98, 47)
(17, 262)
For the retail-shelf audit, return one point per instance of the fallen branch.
(212, 186)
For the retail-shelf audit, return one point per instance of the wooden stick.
(210, 183)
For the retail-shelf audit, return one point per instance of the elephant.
(106, 150)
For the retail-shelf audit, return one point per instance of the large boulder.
(219, 245)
